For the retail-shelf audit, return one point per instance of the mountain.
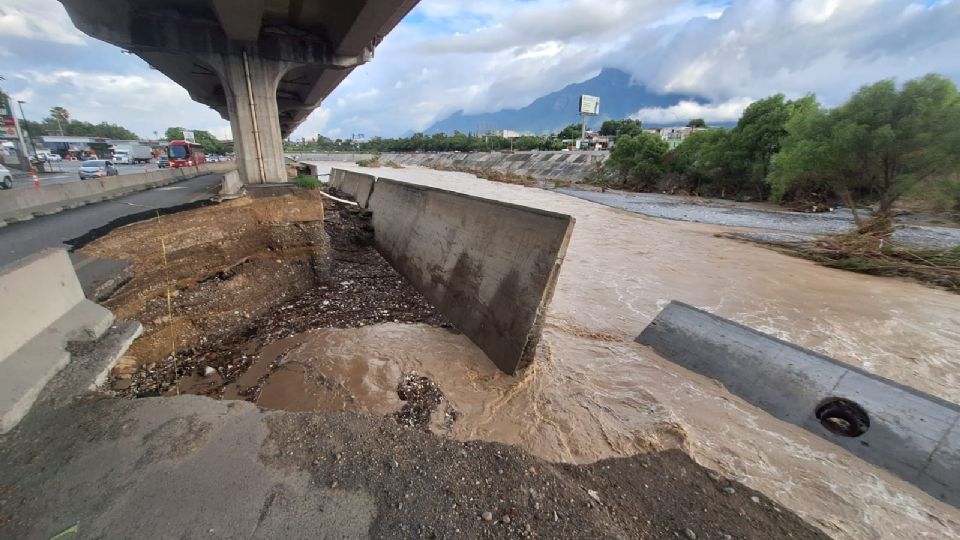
(619, 98)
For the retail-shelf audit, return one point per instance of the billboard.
(589, 105)
(188, 136)
(8, 129)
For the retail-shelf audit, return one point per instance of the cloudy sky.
(485, 56)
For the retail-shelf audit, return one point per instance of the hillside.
(619, 98)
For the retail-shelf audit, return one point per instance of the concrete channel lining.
(490, 267)
(43, 308)
(907, 432)
(355, 184)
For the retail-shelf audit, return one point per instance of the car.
(97, 168)
(6, 178)
(163, 162)
(54, 158)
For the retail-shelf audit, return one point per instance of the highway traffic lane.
(24, 238)
(69, 171)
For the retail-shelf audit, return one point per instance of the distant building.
(77, 147)
(674, 135)
(595, 141)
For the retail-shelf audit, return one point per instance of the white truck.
(129, 153)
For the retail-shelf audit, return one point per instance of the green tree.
(697, 123)
(703, 159)
(61, 116)
(638, 160)
(881, 144)
(573, 131)
(210, 144)
(621, 127)
(757, 138)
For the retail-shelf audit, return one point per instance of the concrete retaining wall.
(43, 307)
(357, 185)
(908, 432)
(489, 267)
(570, 166)
(331, 156)
(24, 204)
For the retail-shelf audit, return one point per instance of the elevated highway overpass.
(265, 65)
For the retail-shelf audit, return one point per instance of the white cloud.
(42, 20)
(479, 57)
(144, 103)
(759, 47)
(687, 110)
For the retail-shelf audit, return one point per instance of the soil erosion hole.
(843, 417)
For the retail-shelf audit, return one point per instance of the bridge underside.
(265, 65)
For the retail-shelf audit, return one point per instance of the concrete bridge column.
(250, 87)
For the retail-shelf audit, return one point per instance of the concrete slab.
(490, 267)
(905, 431)
(357, 185)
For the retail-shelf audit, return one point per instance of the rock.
(506, 519)
(208, 371)
(755, 499)
(593, 495)
(124, 376)
(126, 364)
(122, 384)
(729, 490)
(487, 516)
(690, 534)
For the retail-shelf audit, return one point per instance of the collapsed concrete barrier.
(357, 185)
(490, 267)
(24, 204)
(568, 166)
(43, 307)
(903, 430)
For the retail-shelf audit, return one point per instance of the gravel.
(732, 214)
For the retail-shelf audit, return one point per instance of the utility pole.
(32, 144)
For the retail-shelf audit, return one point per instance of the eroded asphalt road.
(27, 237)
(798, 225)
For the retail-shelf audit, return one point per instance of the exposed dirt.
(242, 275)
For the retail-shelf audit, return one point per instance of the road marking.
(169, 188)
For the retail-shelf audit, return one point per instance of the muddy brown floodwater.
(593, 393)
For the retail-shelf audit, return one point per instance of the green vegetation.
(419, 142)
(881, 145)
(210, 144)
(638, 160)
(373, 162)
(620, 128)
(308, 182)
(59, 122)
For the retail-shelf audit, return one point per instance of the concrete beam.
(240, 20)
(322, 41)
(911, 434)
